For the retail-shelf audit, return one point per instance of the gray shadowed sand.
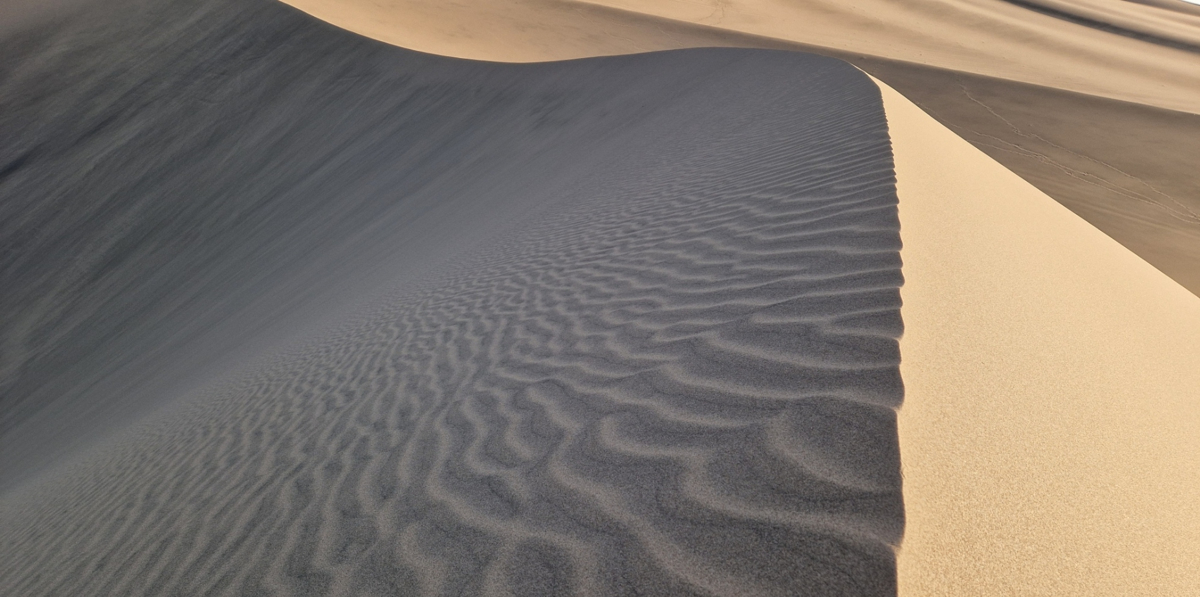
(633, 329)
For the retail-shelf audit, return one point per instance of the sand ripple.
(678, 377)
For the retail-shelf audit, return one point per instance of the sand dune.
(1132, 178)
(634, 320)
(1068, 44)
(651, 357)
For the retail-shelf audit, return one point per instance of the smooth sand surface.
(1049, 429)
(653, 350)
(513, 30)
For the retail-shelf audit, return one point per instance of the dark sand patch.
(641, 337)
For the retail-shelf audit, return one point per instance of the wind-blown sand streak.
(653, 357)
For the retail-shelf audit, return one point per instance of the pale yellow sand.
(989, 37)
(1050, 433)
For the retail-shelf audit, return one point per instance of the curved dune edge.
(1131, 52)
(1049, 430)
(1040, 84)
(1037, 339)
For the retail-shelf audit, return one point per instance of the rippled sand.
(636, 355)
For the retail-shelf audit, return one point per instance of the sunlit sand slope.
(658, 355)
(1052, 390)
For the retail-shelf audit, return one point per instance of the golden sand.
(1050, 433)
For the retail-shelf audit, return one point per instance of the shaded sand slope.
(657, 355)
(169, 192)
(176, 190)
(1049, 430)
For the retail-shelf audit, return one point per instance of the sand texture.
(1049, 428)
(634, 329)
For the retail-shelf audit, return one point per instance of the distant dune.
(634, 329)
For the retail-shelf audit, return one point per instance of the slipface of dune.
(1049, 429)
(635, 326)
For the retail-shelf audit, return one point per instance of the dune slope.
(611, 351)
(1052, 387)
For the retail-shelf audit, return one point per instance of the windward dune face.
(653, 358)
